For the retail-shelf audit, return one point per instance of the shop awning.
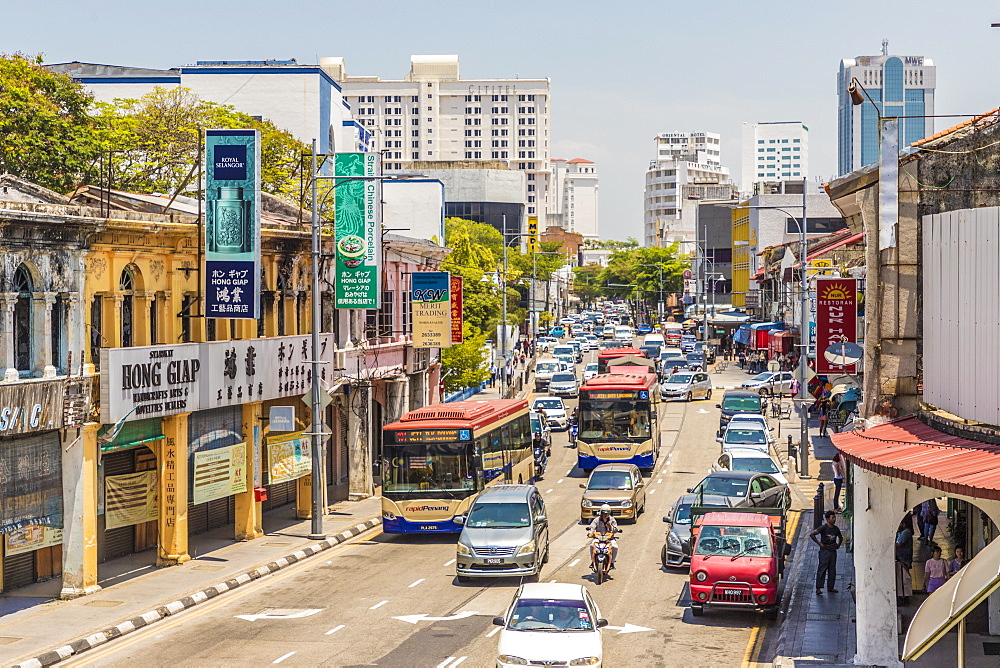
(767, 325)
(911, 450)
(947, 606)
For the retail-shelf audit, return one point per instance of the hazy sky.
(621, 71)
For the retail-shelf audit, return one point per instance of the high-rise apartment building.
(573, 196)
(434, 114)
(898, 86)
(777, 151)
(682, 158)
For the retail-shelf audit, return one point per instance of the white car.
(551, 624)
(585, 343)
(546, 343)
(745, 459)
(770, 382)
(554, 410)
(589, 371)
(757, 420)
(750, 437)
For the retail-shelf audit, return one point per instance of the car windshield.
(429, 467)
(546, 366)
(499, 516)
(610, 480)
(551, 404)
(762, 376)
(592, 366)
(755, 464)
(532, 614)
(683, 514)
(733, 541)
(563, 378)
(736, 435)
(614, 420)
(734, 487)
(741, 403)
(680, 378)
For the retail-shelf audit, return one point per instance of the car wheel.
(663, 556)
(690, 396)
(697, 610)
(548, 549)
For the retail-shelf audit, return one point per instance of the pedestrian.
(829, 538)
(936, 570)
(824, 417)
(904, 560)
(742, 359)
(839, 469)
(930, 512)
(918, 513)
(956, 564)
(493, 375)
(795, 387)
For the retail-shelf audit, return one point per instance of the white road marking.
(449, 563)
(378, 605)
(555, 580)
(652, 491)
(570, 472)
(559, 481)
(422, 617)
(494, 632)
(574, 563)
(287, 615)
(460, 660)
(628, 628)
(282, 658)
(415, 584)
(334, 630)
(664, 470)
(659, 480)
(446, 662)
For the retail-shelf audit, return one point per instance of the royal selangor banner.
(431, 309)
(836, 319)
(220, 473)
(357, 234)
(130, 499)
(457, 335)
(288, 457)
(232, 223)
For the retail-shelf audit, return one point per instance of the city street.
(384, 600)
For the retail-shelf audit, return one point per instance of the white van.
(623, 333)
(654, 339)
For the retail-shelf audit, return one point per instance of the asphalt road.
(355, 605)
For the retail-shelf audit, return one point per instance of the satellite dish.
(843, 353)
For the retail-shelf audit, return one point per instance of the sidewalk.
(134, 593)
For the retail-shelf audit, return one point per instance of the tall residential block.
(774, 151)
(898, 86)
(573, 196)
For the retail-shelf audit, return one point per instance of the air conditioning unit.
(339, 360)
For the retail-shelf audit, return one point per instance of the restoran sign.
(836, 319)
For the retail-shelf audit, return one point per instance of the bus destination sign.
(432, 435)
(611, 394)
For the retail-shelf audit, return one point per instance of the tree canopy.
(631, 271)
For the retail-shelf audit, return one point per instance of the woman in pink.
(936, 570)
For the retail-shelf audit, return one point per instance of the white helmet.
(605, 508)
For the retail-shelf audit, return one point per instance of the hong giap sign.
(153, 381)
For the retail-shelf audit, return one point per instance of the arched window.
(22, 319)
(127, 287)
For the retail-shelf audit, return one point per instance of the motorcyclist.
(603, 523)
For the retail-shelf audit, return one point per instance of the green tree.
(628, 272)
(466, 364)
(587, 283)
(46, 134)
(155, 142)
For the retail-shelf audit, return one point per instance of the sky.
(621, 72)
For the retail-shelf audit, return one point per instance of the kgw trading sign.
(836, 319)
(431, 305)
(232, 223)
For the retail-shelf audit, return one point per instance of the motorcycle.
(541, 461)
(574, 429)
(602, 555)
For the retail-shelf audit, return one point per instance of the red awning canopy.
(909, 449)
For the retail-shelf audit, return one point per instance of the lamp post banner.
(356, 231)
(232, 223)
(836, 319)
(457, 335)
(431, 306)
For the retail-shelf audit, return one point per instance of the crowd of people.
(936, 569)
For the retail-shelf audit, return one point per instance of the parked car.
(770, 382)
(738, 401)
(550, 624)
(554, 410)
(676, 549)
(618, 485)
(546, 343)
(755, 420)
(519, 550)
(564, 384)
(689, 385)
(589, 371)
(544, 368)
(737, 436)
(746, 459)
(745, 489)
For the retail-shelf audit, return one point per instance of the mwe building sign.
(836, 319)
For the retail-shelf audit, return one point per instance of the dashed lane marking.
(652, 491)
(449, 563)
(494, 632)
(282, 658)
(415, 583)
(334, 630)
(659, 480)
(559, 481)
(550, 491)
(378, 605)
(574, 563)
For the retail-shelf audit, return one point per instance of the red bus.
(619, 421)
(437, 458)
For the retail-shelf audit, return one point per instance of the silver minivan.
(687, 385)
(505, 534)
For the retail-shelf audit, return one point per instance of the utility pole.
(804, 338)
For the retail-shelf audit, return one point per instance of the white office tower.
(898, 86)
(682, 158)
(777, 151)
(573, 196)
(434, 114)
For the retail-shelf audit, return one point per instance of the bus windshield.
(430, 467)
(614, 420)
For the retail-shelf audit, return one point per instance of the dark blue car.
(644, 328)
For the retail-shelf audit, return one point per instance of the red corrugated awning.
(909, 449)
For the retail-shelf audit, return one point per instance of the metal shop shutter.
(280, 494)
(18, 570)
(345, 460)
(224, 425)
(121, 541)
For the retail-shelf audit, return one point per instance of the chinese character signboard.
(457, 335)
(31, 482)
(357, 233)
(836, 319)
(232, 223)
(431, 309)
(288, 457)
(533, 234)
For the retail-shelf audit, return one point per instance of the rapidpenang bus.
(619, 420)
(437, 458)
